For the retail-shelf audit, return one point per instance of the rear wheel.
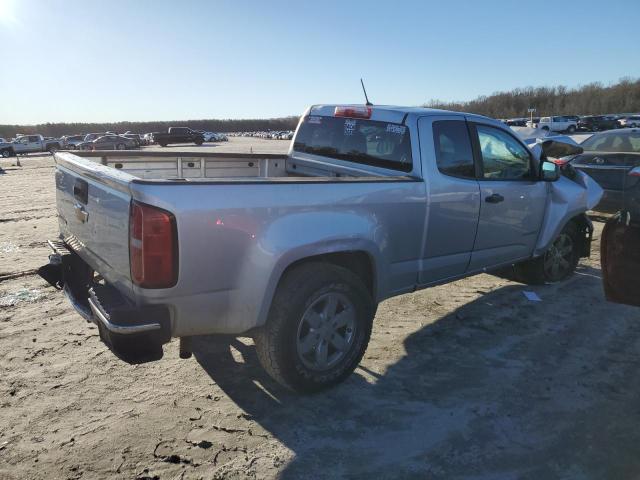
(318, 327)
(121, 146)
(557, 263)
(163, 144)
(571, 129)
(6, 153)
(52, 149)
(198, 142)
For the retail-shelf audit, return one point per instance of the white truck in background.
(558, 124)
(29, 144)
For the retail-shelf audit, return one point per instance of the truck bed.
(193, 166)
(228, 229)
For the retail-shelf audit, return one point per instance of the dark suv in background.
(597, 123)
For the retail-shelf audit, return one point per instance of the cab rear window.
(367, 142)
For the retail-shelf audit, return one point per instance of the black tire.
(163, 144)
(571, 129)
(546, 129)
(121, 146)
(594, 128)
(542, 270)
(6, 153)
(198, 141)
(53, 148)
(278, 341)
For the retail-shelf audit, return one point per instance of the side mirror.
(550, 172)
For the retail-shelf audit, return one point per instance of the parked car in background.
(619, 251)
(212, 137)
(533, 122)
(6, 149)
(70, 142)
(596, 123)
(90, 137)
(148, 138)
(630, 121)
(557, 124)
(3, 140)
(516, 122)
(34, 143)
(109, 142)
(608, 157)
(178, 135)
(134, 137)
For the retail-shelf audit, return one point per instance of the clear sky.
(89, 60)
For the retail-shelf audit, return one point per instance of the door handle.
(495, 198)
(81, 213)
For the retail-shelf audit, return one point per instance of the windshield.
(368, 142)
(608, 142)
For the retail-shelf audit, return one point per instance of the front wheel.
(557, 264)
(571, 129)
(198, 142)
(318, 327)
(52, 149)
(121, 146)
(6, 153)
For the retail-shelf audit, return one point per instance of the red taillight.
(559, 161)
(635, 172)
(153, 247)
(355, 111)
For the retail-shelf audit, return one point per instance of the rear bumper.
(134, 333)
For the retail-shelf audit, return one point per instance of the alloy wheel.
(326, 331)
(557, 260)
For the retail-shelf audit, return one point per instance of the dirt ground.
(468, 380)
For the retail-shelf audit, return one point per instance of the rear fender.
(318, 237)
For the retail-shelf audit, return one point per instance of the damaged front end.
(571, 196)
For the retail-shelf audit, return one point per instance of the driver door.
(512, 198)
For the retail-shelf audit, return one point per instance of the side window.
(33, 139)
(454, 155)
(503, 157)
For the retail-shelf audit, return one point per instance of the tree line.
(223, 125)
(591, 99)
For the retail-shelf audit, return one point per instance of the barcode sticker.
(398, 129)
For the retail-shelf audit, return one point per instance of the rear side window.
(454, 155)
(368, 142)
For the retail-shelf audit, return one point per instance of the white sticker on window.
(349, 127)
(315, 120)
(398, 129)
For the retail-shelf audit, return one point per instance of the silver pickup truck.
(297, 250)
